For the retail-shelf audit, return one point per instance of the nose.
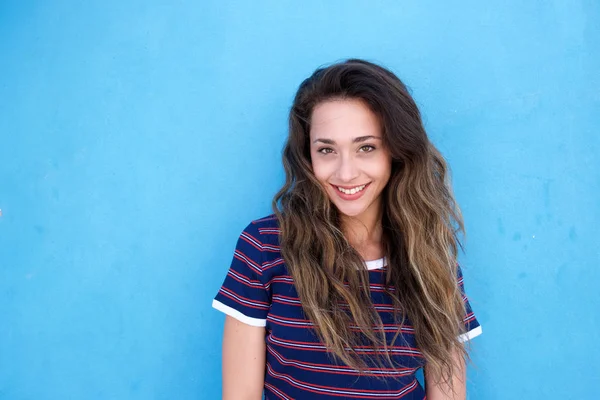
(347, 169)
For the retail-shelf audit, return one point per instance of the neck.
(364, 232)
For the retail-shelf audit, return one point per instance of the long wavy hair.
(421, 225)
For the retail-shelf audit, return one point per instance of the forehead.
(346, 118)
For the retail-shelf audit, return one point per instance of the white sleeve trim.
(232, 312)
(471, 334)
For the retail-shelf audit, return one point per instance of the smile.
(351, 191)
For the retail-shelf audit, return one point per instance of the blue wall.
(138, 138)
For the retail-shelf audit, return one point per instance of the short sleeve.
(472, 326)
(243, 295)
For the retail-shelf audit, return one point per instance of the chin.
(350, 211)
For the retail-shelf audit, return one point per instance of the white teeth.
(351, 191)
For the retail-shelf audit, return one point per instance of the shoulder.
(263, 233)
(260, 240)
(263, 228)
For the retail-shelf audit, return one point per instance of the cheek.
(382, 170)
(321, 170)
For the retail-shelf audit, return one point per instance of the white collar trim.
(375, 264)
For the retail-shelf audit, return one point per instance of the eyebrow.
(355, 140)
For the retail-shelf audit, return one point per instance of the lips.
(350, 192)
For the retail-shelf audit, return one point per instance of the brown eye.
(367, 148)
(325, 150)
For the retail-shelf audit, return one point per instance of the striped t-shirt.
(259, 291)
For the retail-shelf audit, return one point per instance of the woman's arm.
(243, 361)
(442, 391)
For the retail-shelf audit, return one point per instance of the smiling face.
(348, 156)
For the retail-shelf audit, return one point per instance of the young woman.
(352, 284)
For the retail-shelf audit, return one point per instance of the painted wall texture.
(137, 139)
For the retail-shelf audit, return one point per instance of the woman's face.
(348, 156)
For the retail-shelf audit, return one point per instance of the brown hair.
(421, 222)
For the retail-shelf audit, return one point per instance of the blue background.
(138, 138)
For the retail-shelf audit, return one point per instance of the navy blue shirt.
(259, 291)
